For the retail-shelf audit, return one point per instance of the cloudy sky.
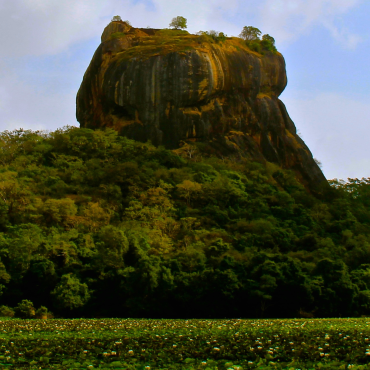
(46, 46)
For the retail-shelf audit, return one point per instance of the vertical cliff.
(171, 86)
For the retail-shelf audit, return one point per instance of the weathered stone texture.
(173, 88)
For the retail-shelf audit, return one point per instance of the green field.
(185, 344)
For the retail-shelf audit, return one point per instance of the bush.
(25, 309)
(42, 312)
(211, 35)
(50, 315)
(268, 43)
(6, 311)
(255, 46)
(221, 37)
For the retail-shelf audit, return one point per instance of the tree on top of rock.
(268, 42)
(268, 38)
(117, 18)
(178, 22)
(250, 33)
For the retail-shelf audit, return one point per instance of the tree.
(70, 293)
(250, 33)
(187, 188)
(6, 311)
(268, 38)
(25, 309)
(117, 18)
(268, 42)
(221, 36)
(58, 211)
(112, 246)
(42, 313)
(178, 22)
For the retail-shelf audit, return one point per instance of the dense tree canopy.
(95, 224)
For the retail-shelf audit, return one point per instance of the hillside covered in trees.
(93, 224)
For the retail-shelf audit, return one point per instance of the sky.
(47, 45)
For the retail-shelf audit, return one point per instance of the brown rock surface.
(153, 84)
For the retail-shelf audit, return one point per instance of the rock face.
(172, 87)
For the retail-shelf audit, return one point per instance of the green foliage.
(178, 22)
(95, 224)
(235, 344)
(116, 18)
(70, 293)
(112, 246)
(25, 309)
(41, 311)
(250, 33)
(171, 32)
(212, 35)
(117, 35)
(6, 311)
(268, 42)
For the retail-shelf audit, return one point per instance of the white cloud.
(42, 27)
(289, 19)
(336, 128)
(343, 36)
(29, 95)
(48, 27)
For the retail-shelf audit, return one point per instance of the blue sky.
(46, 46)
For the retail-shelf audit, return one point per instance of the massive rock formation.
(171, 86)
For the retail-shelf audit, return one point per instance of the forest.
(93, 224)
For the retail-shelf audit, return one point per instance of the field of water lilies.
(185, 344)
